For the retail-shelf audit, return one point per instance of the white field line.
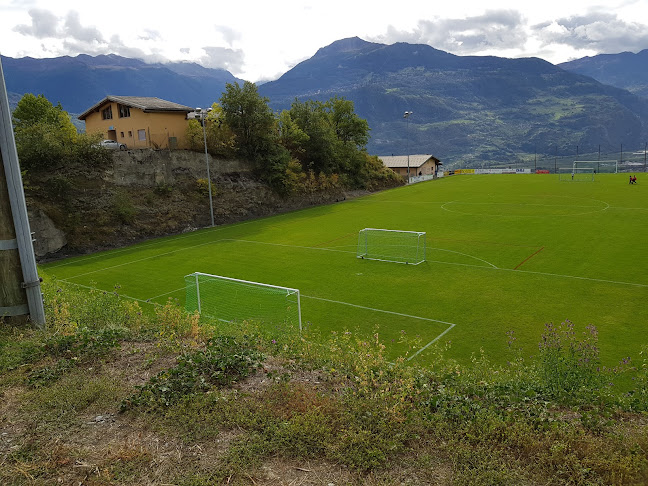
(166, 293)
(490, 267)
(146, 258)
(109, 253)
(349, 251)
(373, 309)
(288, 246)
(464, 254)
(153, 243)
(109, 291)
(487, 203)
(575, 277)
(629, 209)
(599, 210)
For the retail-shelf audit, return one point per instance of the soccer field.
(504, 253)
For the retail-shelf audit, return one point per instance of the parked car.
(113, 145)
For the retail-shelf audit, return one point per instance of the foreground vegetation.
(114, 393)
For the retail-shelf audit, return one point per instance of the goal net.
(230, 299)
(391, 245)
(581, 174)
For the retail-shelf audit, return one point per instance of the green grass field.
(504, 252)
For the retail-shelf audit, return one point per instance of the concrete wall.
(154, 167)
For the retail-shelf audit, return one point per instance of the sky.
(259, 40)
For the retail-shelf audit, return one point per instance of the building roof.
(415, 161)
(145, 103)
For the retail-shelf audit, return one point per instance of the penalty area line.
(449, 324)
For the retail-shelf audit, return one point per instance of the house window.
(141, 135)
(106, 113)
(122, 134)
(130, 134)
(124, 111)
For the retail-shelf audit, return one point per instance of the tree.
(291, 136)
(221, 141)
(349, 127)
(44, 132)
(250, 118)
(319, 149)
(46, 136)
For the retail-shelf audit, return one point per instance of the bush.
(123, 208)
(223, 362)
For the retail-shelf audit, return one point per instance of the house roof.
(417, 160)
(145, 103)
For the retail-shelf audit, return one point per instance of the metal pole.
(621, 154)
(211, 204)
(598, 163)
(645, 148)
(406, 116)
(29, 281)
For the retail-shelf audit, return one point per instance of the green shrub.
(123, 209)
(223, 362)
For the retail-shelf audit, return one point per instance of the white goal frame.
(366, 250)
(576, 174)
(194, 281)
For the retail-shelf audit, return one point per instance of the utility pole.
(598, 163)
(20, 293)
(406, 116)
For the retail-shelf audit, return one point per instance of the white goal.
(577, 174)
(230, 299)
(392, 245)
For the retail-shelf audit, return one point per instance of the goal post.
(391, 245)
(230, 299)
(579, 174)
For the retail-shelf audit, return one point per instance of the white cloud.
(222, 57)
(258, 40)
(43, 24)
(495, 29)
(601, 32)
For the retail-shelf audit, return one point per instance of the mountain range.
(626, 70)
(466, 109)
(80, 82)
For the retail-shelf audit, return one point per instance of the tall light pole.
(406, 116)
(203, 117)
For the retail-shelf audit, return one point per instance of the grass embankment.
(113, 395)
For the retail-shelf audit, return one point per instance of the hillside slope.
(624, 70)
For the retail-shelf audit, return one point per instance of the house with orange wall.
(139, 121)
(417, 164)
